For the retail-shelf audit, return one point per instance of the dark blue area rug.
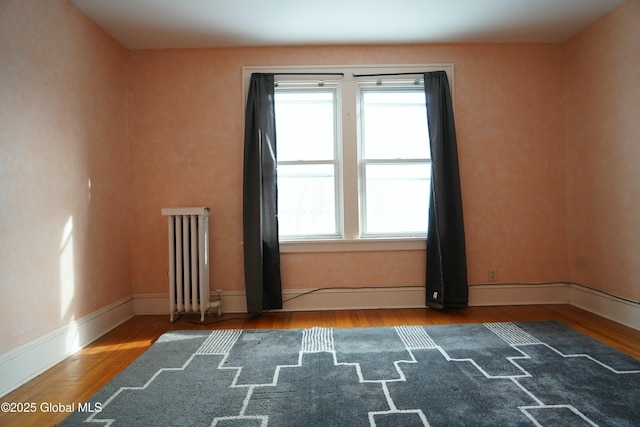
(494, 374)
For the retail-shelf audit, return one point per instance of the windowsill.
(339, 245)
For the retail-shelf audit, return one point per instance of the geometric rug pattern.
(493, 374)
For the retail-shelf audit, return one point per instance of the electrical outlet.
(493, 274)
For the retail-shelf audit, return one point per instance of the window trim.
(354, 245)
(348, 157)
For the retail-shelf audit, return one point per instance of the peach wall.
(187, 136)
(602, 73)
(63, 169)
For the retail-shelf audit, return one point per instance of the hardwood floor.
(78, 377)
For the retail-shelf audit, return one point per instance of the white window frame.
(397, 83)
(348, 145)
(335, 88)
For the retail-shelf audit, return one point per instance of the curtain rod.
(309, 74)
(390, 74)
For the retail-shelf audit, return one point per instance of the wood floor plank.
(79, 376)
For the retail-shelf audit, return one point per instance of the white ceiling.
(157, 24)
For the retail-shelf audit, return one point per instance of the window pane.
(395, 125)
(305, 125)
(306, 200)
(397, 198)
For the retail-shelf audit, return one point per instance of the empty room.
(240, 212)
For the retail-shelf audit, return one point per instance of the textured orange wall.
(64, 250)
(602, 73)
(187, 137)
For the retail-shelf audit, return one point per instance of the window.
(394, 161)
(353, 155)
(306, 136)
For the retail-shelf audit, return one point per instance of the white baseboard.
(330, 299)
(616, 309)
(158, 303)
(371, 298)
(144, 304)
(399, 297)
(610, 307)
(33, 358)
(354, 299)
(518, 294)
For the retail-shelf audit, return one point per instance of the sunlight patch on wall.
(68, 285)
(67, 274)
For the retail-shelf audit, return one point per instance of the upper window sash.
(398, 94)
(334, 99)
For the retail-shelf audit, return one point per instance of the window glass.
(306, 200)
(305, 125)
(397, 198)
(394, 124)
(306, 146)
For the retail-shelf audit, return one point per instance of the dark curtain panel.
(260, 199)
(446, 260)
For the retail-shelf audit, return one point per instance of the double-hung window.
(353, 157)
(394, 160)
(308, 167)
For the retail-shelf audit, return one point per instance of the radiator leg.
(172, 270)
